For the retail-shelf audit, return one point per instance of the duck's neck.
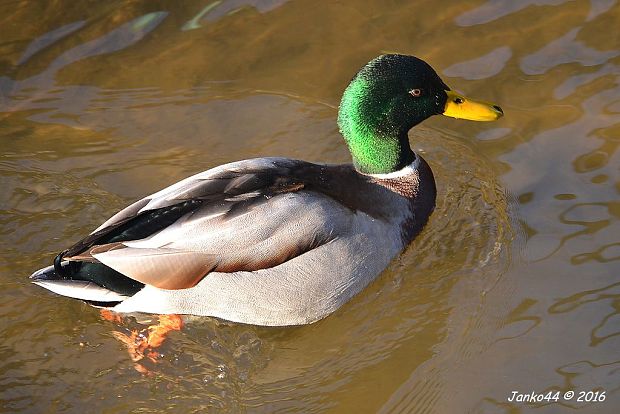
(377, 145)
(379, 155)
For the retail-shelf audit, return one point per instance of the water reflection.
(565, 49)
(48, 39)
(581, 374)
(606, 253)
(217, 9)
(482, 67)
(607, 327)
(496, 9)
(117, 39)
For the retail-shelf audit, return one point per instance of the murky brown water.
(514, 284)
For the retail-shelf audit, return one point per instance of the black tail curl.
(58, 265)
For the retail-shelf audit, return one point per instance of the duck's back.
(268, 241)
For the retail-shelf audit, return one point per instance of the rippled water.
(514, 285)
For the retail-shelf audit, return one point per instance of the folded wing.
(248, 215)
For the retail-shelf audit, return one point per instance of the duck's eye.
(458, 100)
(415, 92)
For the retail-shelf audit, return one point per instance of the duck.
(276, 241)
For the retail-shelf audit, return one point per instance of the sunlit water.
(514, 285)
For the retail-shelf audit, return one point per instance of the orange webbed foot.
(143, 343)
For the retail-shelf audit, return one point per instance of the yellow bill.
(458, 106)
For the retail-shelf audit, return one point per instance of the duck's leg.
(157, 333)
(143, 343)
(108, 315)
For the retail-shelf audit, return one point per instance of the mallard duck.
(276, 241)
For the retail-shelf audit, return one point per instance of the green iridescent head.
(389, 96)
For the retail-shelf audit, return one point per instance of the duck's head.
(389, 96)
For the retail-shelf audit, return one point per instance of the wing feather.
(247, 215)
(162, 268)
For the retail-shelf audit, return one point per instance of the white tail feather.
(81, 289)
